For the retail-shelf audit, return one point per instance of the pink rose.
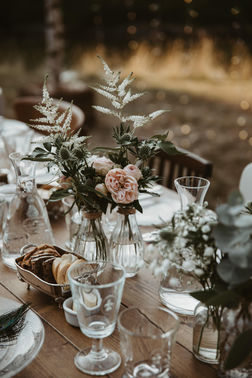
(102, 165)
(132, 170)
(123, 187)
(102, 189)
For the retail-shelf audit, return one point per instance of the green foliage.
(240, 350)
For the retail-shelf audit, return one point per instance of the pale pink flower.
(133, 170)
(102, 189)
(123, 187)
(102, 165)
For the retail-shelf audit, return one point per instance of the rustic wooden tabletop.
(62, 341)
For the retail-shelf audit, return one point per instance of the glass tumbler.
(191, 189)
(97, 289)
(146, 338)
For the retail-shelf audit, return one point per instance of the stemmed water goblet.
(97, 289)
(191, 189)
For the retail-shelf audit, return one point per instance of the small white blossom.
(209, 251)
(199, 272)
(205, 237)
(188, 265)
(205, 229)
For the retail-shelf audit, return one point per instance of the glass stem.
(97, 351)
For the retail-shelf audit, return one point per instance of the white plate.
(26, 347)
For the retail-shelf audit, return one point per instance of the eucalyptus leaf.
(240, 350)
(168, 147)
(225, 298)
(137, 206)
(203, 295)
(232, 274)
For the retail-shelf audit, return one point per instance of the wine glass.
(191, 189)
(97, 289)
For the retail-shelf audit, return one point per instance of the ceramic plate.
(16, 357)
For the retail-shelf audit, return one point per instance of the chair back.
(245, 185)
(25, 112)
(168, 167)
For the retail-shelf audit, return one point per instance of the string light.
(243, 134)
(244, 105)
(185, 129)
(241, 121)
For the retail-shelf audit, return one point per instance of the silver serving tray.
(56, 291)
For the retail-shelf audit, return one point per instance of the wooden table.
(62, 341)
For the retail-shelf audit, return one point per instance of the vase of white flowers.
(187, 257)
(232, 291)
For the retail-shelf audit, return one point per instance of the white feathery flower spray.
(120, 95)
(52, 121)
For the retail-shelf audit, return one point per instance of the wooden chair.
(24, 111)
(169, 167)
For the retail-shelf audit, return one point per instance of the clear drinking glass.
(73, 219)
(97, 289)
(27, 219)
(191, 189)
(146, 338)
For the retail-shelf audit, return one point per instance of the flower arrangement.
(187, 245)
(233, 289)
(103, 176)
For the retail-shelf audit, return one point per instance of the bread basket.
(56, 291)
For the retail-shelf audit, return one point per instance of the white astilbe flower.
(52, 121)
(120, 95)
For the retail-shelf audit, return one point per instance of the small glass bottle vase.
(174, 292)
(126, 242)
(91, 242)
(27, 220)
(206, 335)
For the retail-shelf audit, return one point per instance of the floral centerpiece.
(187, 256)
(103, 176)
(233, 289)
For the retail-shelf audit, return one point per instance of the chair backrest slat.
(184, 164)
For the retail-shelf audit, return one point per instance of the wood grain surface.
(62, 341)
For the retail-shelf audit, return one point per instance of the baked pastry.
(61, 265)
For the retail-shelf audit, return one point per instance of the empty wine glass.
(97, 289)
(147, 335)
(191, 189)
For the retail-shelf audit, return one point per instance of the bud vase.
(91, 242)
(174, 292)
(235, 323)
(206, 334)
(126, 242)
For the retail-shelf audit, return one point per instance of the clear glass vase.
(126, 242)
(27, 220)
(234, 323)
(91, 241)
(191, 189)
(206, 335)
(174, 292)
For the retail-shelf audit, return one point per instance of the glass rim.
(90, 286)
(207, 182)
(163, 336)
